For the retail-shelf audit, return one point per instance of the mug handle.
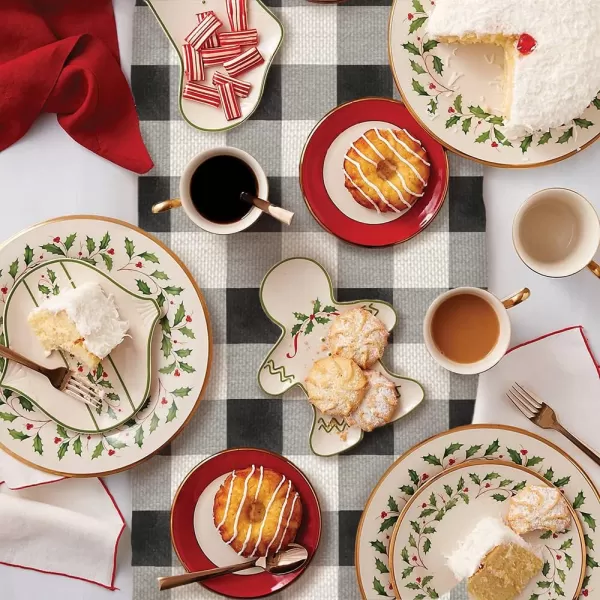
(594, 267)
(517, 298)
(161, 207)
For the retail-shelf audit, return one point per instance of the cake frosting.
(94, 315)
(488, 534)
(552, 53)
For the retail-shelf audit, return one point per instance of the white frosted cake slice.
(83, 321)
(551, 51)
(497, 563)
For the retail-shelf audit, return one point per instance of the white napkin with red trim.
(59, 526)
(561, 370)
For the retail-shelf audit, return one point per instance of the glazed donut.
(257, 511)
(386, 170)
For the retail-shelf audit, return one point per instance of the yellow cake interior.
(504, 573)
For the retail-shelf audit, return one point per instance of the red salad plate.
(199, 545)
(322, 176)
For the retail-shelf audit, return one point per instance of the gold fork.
(61, 378)
(544, 416)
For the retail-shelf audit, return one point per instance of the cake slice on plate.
(83, 321)
(497, 563)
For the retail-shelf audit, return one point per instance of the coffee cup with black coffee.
(210, 190)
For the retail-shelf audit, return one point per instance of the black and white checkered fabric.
(330, 55)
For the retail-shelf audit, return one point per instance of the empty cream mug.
(556, 233)
(185, 200)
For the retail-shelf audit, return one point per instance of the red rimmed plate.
(199, 545)
(322, 179)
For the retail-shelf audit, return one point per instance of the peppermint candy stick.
(212, 41)
(238, 38)
(244, 62)
(202, 93)
(217, 56)
(230, 102)
(207, 27)
(237, 13)
(241, 88)
(192, 64)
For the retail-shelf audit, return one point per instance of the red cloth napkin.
(62, 56)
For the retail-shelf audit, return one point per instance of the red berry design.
(4, 290)
(424, 477)
(410, 16)
(163, 401)
(424, 505)
(56, 240)
(80, 369)
(390, 586)
(501, 456)
(138, 265)
(89, 437)
(466, 490)
(172, 302)
(494, 144)
(558, 556)
(80, 253)
(554, 535)
(451, 110)
(111, 452)
(584, 593)
(487, 485)
(383, 514)
(451, 461)
(414, 559)
(432, 86)
(105, 374)
(111, 251)
(57, 440)
(418, 580)
(174, 341)
(188, 319)
(524, 452)
(526, 44)
(29, 426)
(177, 373)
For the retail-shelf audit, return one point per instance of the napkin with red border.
(56, 525)
(62, 56)
(560, 369)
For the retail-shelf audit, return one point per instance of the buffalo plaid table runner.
(330, 55)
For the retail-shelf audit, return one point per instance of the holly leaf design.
(569, 561)
(44, 289)
(187, 368)
(450, 505)
(407, 572)
(168, 369)
(407, 489)
(544, 584)
(329, 309)
(416, 527)
(432, 106)
(392, 504)
(149, 256)
(438, 65)
(90, 244)
(429, 45)
(492, 448)
(172, 412)
(322, 320)
(419, 88)
(28, 255)
(309, 327)
(387, 523)
(418, 6)
(165, 325)
(159, 275)
(129, 247)
(62, 450)
(417, 68)
(588, 541)
(478, 112)
(427, 545)
(160, 299)
(453, 120)
(98, 450)
(378, 587)
(143, 287)
(589, 520)
(465, 497)
(300, 316)
(183, 353)
(519, 486)
(432, 460)
(115, 442)
(413, 476)
(61, 431)
(411, 541)
(404, 554)
(14, 268)
(166, 346)
(139, 436)
(460, 485)
(504, 483)
(53, 249)
(8, 417)
(475, 478)
(534, 460)
(380, 566)
(70, 241)
(429, 530)
(77, 446)
(466, 125)
(484, 137)
(491, 477)
(499, 497)
(412, 49)
(596, 103)
(566, 136)
(182, 392)
(433, 500)
(583, 123)
(153, 423)
(579, 501)
(25, 404)
(108, 261)
(545, 138)
(558, 589)
(591, 563)
(427, 512)
(546, 535)
(173, 290)
(89, 261)
(566, 544)
(412, 586)
(51, 275)
(473, 450)
(515, 456)
(449, 491)
(452, 449)
(379, 547)
(18, 435)
(187, 332)
(526, 142)
(562, 481)
(179, 315)
(549, 474)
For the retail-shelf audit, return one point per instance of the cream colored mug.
(185, 200)
(556, 233)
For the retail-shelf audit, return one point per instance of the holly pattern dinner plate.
(297, 295)
(455, 92)
(180, 351)
(322, 175)
(448, 506)
(490, 443)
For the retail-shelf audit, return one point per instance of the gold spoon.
(281, 214)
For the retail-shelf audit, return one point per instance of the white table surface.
(67, 179)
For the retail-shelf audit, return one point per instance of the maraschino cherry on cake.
(551, 53)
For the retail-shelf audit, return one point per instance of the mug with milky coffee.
(556, 233)
(467, 330)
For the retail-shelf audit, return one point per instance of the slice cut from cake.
(551, 49)
(496, 561)
(83, 321)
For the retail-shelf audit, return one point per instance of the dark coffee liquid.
(216, 186)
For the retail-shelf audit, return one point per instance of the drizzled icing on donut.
(241, 505)
(228, 500)
(249, 533)
(362, 193)
(288, 522)
(287, 495)
(262, 525)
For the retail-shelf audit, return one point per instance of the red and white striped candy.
(238, 38)
(237, 12)
(207, 27)
(202, 93)
(230, 102)
(217, 56)
(244, 62)
(212, 41)
(192, 64)
(241, 88)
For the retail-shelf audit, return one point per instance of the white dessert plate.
(297, 295)
(123, 377)
(449, 506)
(178, 18)
(132, 265)
(439, 454)
(455, 92)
